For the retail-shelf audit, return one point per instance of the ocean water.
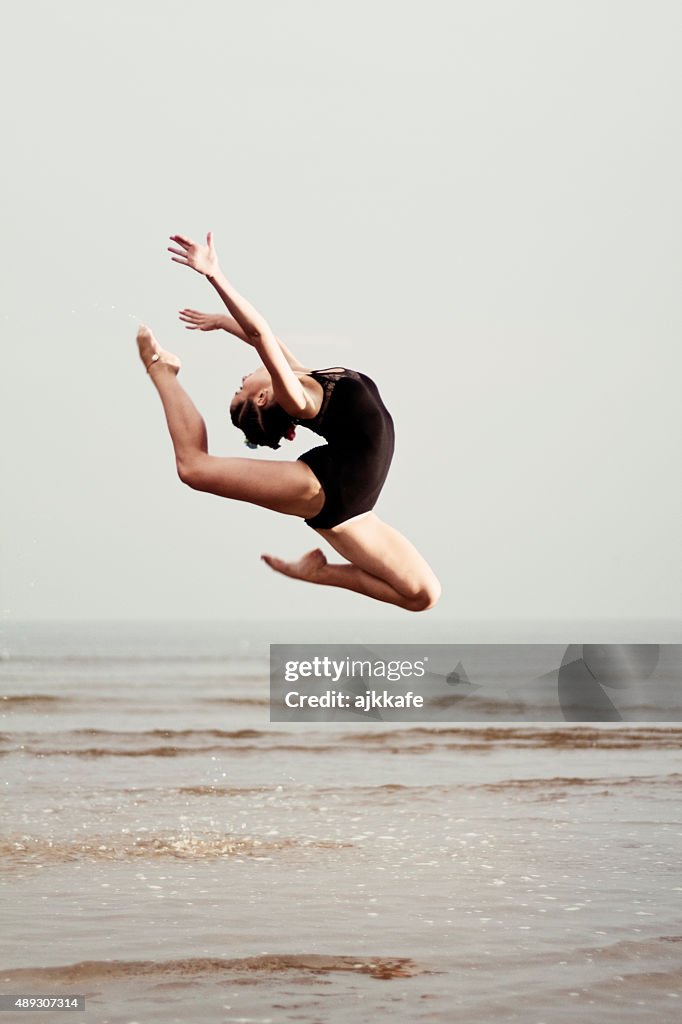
(173, 856)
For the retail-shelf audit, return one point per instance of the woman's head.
(254, 411)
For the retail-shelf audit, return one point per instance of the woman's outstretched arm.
(196, 321)
(287, 388)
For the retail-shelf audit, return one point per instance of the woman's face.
(255, 384)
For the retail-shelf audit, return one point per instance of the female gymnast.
(334, 486)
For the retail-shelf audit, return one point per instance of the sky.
(476, 203)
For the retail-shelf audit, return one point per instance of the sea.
(169, 854)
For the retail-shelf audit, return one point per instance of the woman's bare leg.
(383, 565)
(288, 487)
(185, 424)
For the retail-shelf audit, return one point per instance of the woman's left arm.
(196, 321)
(287, 389)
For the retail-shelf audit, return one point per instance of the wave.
(40, 744)
(212, 790)
(36, 701)
(20, 699)
(164, 751)
(671, 779)
(413, 741)
(230, 734)
(574, 736)
(39, 850)
(191, 658)
(621, 954)
(383, 968)
(227, 701)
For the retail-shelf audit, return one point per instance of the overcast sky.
(477, 203)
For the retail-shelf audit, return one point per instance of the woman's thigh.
(381, 550)
(288, 487)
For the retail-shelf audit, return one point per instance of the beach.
(172, 855)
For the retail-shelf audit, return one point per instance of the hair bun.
(262, 426)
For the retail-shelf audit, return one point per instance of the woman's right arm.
(253, 325)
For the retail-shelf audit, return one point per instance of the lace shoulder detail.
(328, 378)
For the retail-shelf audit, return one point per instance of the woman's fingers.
(181, 240)
(196, 322)
(178, 252)
(175, 259)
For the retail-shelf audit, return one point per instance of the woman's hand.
(202, 258)
(195, 321)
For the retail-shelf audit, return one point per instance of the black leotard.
(358, 428)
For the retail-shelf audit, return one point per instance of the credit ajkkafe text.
(329, 668)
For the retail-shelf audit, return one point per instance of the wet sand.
(172, 856)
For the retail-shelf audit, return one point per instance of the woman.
(332, 487)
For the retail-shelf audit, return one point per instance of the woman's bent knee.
(426, 598)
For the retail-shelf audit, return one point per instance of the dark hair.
(264, 425)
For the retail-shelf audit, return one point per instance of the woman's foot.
(308, 567)
(151, 352)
